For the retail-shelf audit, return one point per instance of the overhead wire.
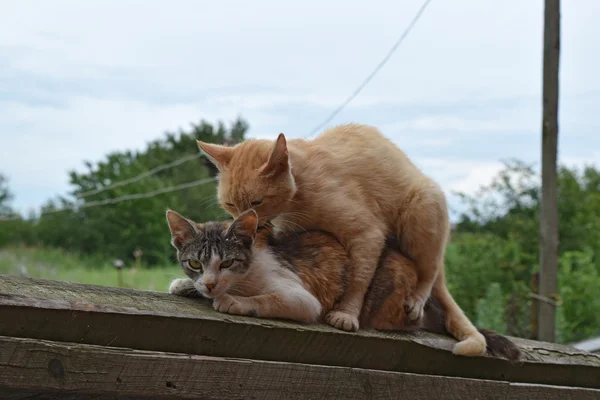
(368, 79)
(135, 196)
(141, 176)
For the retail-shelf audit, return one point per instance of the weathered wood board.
(54, 370)
(86, 314)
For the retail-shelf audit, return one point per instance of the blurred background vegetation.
(492, 260)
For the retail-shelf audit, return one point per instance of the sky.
(461, 94)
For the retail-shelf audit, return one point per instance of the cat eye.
(195, 264)
(230, 205)
(226, 264)
(257, 202)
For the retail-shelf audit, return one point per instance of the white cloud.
(579, 161)
(459, 175)
(507, 120)
(155, 66)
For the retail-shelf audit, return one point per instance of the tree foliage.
(12, 227)
(496, 246)
(5, 196)
(116, 230)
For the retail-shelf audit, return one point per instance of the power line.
(127, 197)
(375, 71)
(142, 175)
(147, 194)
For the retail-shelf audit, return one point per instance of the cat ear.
(244, 226)
(219, 155)
(278, 159)
(181, 229)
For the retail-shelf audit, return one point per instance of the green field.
(59, 265)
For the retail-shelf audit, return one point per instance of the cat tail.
(500, 346)
(444, 316)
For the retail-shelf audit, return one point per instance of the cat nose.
(209, 286)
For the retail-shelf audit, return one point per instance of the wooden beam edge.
(63, 371)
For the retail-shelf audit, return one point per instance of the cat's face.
(215, 255)
(255, 174)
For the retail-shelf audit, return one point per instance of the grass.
(59, 265)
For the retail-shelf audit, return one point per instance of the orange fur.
(357, 184)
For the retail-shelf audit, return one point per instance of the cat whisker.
(297, 213)
(299, 216)
(215, 204)
(242, 288)
(225, 215)
(288, 223)
(290, 227)
(209, 201)
(298, 225)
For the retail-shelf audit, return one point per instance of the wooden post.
(119, 264)
(535, 289)
(138, 257)
(549, 204)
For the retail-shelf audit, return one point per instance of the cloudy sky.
(462, 93)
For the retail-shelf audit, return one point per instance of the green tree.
(116, 230)
(490, 309)
(496, 245)
(13, 229)
(5, 196)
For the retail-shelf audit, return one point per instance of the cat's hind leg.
(364, 249)
(424, 228)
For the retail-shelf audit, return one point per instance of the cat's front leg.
(184, 287)
(235, 305)
(294, 303)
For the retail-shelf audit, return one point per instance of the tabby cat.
(254, 272)
(355, 183)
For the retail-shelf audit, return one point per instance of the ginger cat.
(355, 183)
(300, 277)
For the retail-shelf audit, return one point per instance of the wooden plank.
(56, 370)
(33, 366)
(153, 321)
(520, 391)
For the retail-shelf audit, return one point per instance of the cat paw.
(182, 287)
(241, 308)
(224, 303)
(342, 320)
(414, 307)
(230, 305)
